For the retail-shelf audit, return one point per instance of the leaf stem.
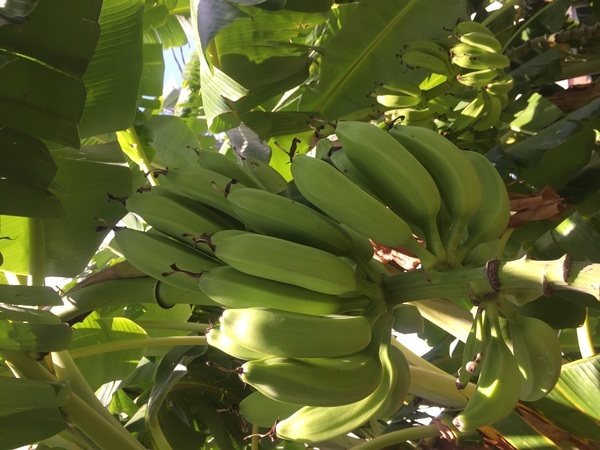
(137, 343)
(584, 337)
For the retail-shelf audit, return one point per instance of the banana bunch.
(428, 55)
(481, 64)
(525, 367)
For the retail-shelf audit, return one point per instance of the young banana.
(264, 412)
(217, 339)
(477, 78)
(282, 217)
(482, 40)
(536, 347)
(272, 180)
(455, 176)
(288, 262)
(295, 335)
(154, 254)
(173, 215)
(499, 384)
(395, 399)
(321, 423)
(470, 114)
(491, 112)
(480, 61)
(474, 350)
(398, 177)
(340, 198)
(491, 219)
(468, 26)
(316, 381)
(501, 85)
(233, 289)
(426, 61)
(228, 167)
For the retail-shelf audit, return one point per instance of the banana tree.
(118, 355)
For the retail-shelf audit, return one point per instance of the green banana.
(480, 61)
(398, 177)
(465, 49)
(426, 61)
(491, 112)
(172, 215)
(362, 244)
(228, 167)
(154, 254)
(499, 384)
(321, 423)
(491, 219)
(470, 113)
(398, 87)
(264, 412)
(468, 26)
(316, 381)
(455, 176)
(482, 40)
(418, 117)
(272, 180)
(536, 347)
(233, 289)
(282, 217)
(474, 350)
(477, 78)
(202, 185)
(501, 85)
(397, 101)
(395, 400)
(341, 162)
(216, 338)
(336, 195)
(288, 262)
(295, 335)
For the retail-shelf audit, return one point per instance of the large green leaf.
(364, 51)
(113, 78)
(34, 337)
(29, 295)
(103, 367)
(23, 394)
(17, 430)
(173, 141)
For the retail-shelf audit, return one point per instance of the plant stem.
(486, 282)
(173, 325)
(397, 437)
(584, 337)
(37, 251)
(137, 343)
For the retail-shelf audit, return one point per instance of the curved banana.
(474, 350)
(288, 262)
(398, 87)
(477, 78)
(397, 100)
(282, 217)
(264, 412)
(536, 347)
(468, 26)
(501, 85)
(336, 195)
(395, 400)
(426, 61)
(316, 381)
(217, 339)
(154, 254)
(174, 215)
(272, 180)
(455, 176)
(228, 167)
(470, 114)
(321, 423)
(398, 177)
(482, 40)
(491, 219)
(295, 335)
(202, 185)
(480, 61)
(499, 384)
(491, 112)
(341, 162)
(418, 117)
(233, 289)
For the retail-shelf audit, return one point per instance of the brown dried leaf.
(545, 205)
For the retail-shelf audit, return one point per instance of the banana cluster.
(470, 59)
(526, 373)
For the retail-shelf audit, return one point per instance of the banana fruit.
(295, 335)
(499, 384)
(263, 411)
(320, 423)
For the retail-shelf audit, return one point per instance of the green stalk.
(37, 251)
(173, 325)
(397, 437)
(481, 282)
(132, 146)
(584, 337)
(77, 411)
(138, 343)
